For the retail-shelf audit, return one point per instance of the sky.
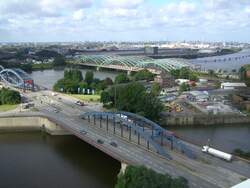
(124, 20)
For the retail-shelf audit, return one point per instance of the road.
(205, 172)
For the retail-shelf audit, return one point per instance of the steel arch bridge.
(155, 136)
(16, 78)
(134, 62)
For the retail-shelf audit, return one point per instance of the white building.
(228, 85)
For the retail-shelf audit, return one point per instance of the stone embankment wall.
(31, 123)
(204, 120)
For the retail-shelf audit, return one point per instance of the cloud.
(123, 4)
(83, 18)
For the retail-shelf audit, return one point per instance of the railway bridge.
(16, 78)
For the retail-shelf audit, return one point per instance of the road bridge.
(139, 141)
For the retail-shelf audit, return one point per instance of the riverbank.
(20, 124)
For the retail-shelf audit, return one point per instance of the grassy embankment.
(7, 107)
(86, 98)
(42, 66)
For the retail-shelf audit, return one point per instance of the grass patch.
(42, 66)
(7, 107)
(87, 98)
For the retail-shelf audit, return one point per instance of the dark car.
(113, 144)
(99, 141)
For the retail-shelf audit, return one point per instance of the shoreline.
(28, 123)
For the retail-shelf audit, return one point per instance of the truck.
(217, 153)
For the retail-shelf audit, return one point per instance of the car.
(113, 144)
(99, 141)
(79, 103)
(59, 98)
(56, 111)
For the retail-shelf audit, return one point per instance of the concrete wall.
(30, 123)
(204, 120)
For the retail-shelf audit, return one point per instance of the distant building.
(151, 50)
(228, 85)
(165, 80)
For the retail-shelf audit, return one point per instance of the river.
(226, 138)
(38, 160)
(48, 78)
(225, 62)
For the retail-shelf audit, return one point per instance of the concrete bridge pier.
(98, 68)
(123, 168)
(128, 72)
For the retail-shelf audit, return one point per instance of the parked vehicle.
(79, 103)
(113, 144)
(217, 153)
(99, 141)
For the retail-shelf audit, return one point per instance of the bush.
(121, 78)
(8, 96)
(138, 177)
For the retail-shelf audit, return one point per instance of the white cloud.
(115, 16)
(78, 15)
(124, 4)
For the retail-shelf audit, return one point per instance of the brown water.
(36, 160)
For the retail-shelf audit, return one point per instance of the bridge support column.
(123, 168)
(128, 73)
(114, 125)
(98, 68)
(101, 122)
(107, 123)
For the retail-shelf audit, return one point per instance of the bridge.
(132, 63)
(16, 78)
(138, 141)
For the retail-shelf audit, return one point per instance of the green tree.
(156, 89)
(242, 73)
(184, 73)
(89, 77)
(59, 61)
(175, 73)
(184, 87)
(121, 78)
(211, 72)
(144, 75)
(133, 98)
(8, 96)
(139, 176)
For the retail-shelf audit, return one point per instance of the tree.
(184, 87)
(184, 73)
(143, 75)
(108, 81)
(175, 73)
(211, 72)
(121, 78)
(59, 61)
(156, 88)
(89, 77)
(133, 98)
(140, 176)
(8, 96)
(193, 77)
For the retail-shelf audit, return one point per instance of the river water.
(38, 160)
(48, 78)
(225, 62)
